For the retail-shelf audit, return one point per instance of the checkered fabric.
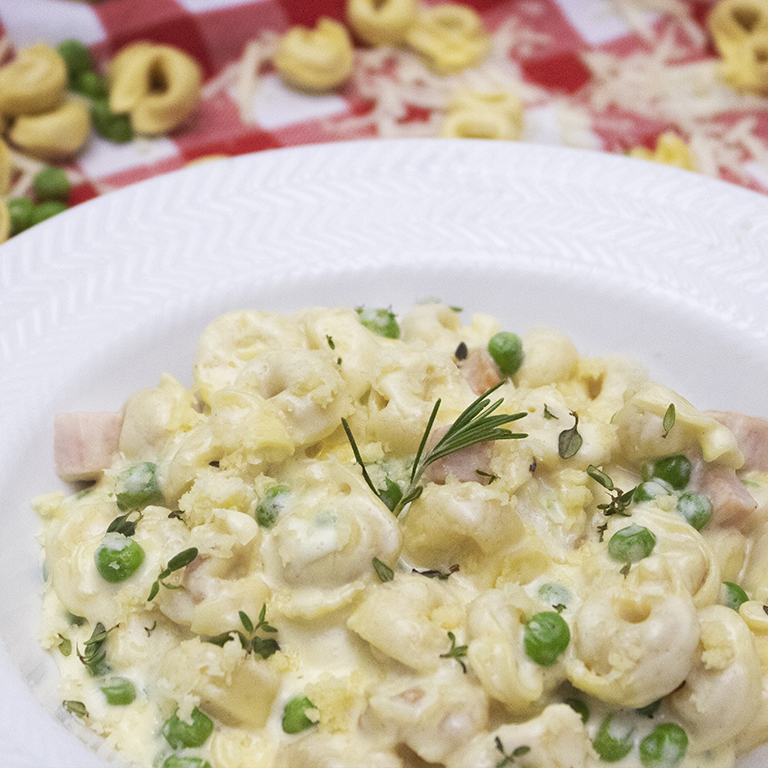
(554, 40)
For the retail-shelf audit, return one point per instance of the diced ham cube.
(85, 443)
(751, 433)
(465, 465)
(480, 370)
(732, 504)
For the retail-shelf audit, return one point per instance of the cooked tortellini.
(367, 540)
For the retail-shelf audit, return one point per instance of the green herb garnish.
(433, 573)
(669, 419)
(569, 441)
(476, 424)
(457, 652)
(620, 500)
(383, 571)
(509, 759)
(94, 655)
(174, 564)
(75, 708)
(123, 525)
(263, 646)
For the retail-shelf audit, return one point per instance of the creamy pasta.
(377, 542)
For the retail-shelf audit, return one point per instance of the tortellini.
(339, 547)
(450, 37)
(740, 32)
(320, 551)
(633, 645)
(315, 59)
(408, 619)
(727, 670)
(495, 626)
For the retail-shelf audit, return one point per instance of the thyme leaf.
(383, 571)
(65, 646)
(624, 570)
(177, 562)
(669, 419)
(509, 759)
(75, 708)
(123, 525)
(263, 646)
(620, 500)
(94, 655)
(548, 414)
(569, 441)
(457, 652)
(246, 622)
(433, 573)
(263, 624)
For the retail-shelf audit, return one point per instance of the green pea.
(631, 544)
(138, 486)
(118, 557)
(90, 84)
(675, 470)
(546, 636)
(695, 508)
(185, 761)
(295, 718)
(119, 691)
(650, 489)
(45, 210)
(76, 56)
(664, 747)
(270, 507)
(115, 127)
(20, 210)
(180, 733)
(506, 349)
(382, 322)
(612, 744)
(579, 707)
(554, 594)
(734, 596)
(51, 184)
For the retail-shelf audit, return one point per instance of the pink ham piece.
(85, 443)
(463, 465)
(732, 504)
(751, 433)
(480, 370)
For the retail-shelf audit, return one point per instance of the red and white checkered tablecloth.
(559, 55)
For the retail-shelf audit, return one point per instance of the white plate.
(623, 255)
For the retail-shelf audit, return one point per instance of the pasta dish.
(367, 541)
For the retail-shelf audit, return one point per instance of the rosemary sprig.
(476, 424)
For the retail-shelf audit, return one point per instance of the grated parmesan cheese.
(674, 83)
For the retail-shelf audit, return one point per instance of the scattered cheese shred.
(673, 82)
